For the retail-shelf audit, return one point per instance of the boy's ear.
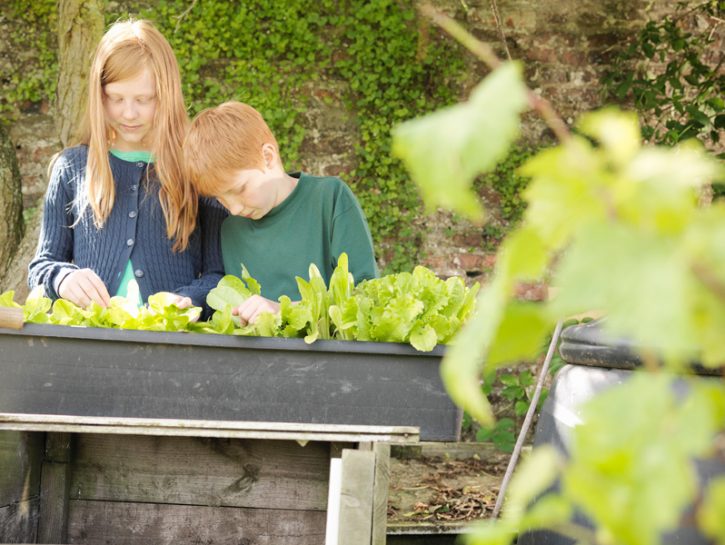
(269, 153)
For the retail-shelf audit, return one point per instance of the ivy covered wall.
(333, 77)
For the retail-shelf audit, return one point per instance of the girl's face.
(130, 105)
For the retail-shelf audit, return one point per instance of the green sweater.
(318, 221)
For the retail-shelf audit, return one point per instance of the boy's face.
(252, 193)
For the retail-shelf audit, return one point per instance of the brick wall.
(565, 46)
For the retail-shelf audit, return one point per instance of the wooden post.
(11, 317)
(20, 458)
(356, 497)
(380, 492)
(54, 489)
(332, 524)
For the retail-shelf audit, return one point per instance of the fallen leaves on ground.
(444, 490)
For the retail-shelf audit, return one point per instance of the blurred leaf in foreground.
(446, 150)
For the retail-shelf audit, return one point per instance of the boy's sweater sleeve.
(211, 217)
(55, 245)
(351, 234)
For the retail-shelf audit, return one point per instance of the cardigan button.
(140, 165)
(132, 214)
(129, 242)
(138, 273)
(134, 187)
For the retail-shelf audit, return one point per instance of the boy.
(279, 223)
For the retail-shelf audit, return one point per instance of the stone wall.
(565, 46)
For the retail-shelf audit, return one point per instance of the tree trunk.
(80, 27)
(11, 202)
(16, 276)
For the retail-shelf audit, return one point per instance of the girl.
(119, 217)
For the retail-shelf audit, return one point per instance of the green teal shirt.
(129, 287)
(318, 221)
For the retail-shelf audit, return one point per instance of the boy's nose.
(233, 209)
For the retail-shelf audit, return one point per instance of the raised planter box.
(131, 436)
(58, 370)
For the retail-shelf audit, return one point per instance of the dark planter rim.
(220, 341)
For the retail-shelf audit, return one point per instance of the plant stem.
(499, 25)
(485, 53)
(707, 276)
(527, 421)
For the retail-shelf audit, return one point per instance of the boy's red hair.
(222, 141)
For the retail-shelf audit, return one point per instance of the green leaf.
(341, 281)
(7, 299)
(66, 313)
(446, 150)
(549, 511)
(36, 308)
(638, 279)
(490, 533)
(565, 192)
(252, 284)
(535, 474)
(710, 515)
(423, 338)
(523, 328)
(617, 131)
(230, 290)
(686, 165)
(462, 363)
(267, 324)
(524, 254)
(632, 468)
(221, 321)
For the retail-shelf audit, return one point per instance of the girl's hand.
(83, 286)
(180, 301)
(250, 310)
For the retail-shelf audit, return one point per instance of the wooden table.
(129, 437)
(99, 480)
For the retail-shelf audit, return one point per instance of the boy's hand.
(250, 310)
(83, 286)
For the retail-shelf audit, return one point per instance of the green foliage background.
(272, 55)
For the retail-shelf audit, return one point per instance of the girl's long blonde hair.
(127, 48)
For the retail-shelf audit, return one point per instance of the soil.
(442, 491)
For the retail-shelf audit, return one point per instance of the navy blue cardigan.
(135, 230)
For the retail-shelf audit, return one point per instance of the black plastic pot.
(595, 363)
(138, 374)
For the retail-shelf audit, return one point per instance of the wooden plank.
(455, 451)
(208, 428)
(54, 485)
(196, 471)
(380, 493)
(332, 525)
(144, 524)
(20, 458)
(18, 522)
(356, 497)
